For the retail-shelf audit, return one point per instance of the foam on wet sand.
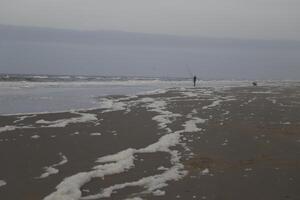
(84, 117)
(50, 170)
(2, 183)
(177, 116)
(124, 160)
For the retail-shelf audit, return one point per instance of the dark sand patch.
(249, 149)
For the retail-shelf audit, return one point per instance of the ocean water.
(45, 93)
(48, 93)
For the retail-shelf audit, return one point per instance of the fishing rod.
(189, 71)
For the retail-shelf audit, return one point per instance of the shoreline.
(185, 143)
(223, 84)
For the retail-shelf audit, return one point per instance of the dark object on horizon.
(195, 79)
(254, 83)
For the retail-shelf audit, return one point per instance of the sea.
(29, 93)
(21, 93)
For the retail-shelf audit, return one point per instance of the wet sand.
(246, 147)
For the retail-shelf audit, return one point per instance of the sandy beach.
(180, 143)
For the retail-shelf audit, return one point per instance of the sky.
(217, 39)
(260, 19)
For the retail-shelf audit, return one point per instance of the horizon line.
(151, 33)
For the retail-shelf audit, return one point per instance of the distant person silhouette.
(194, 80)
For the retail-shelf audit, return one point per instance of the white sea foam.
(118, 163)
(134, 198)
(35, 136)
(95, 134)
(21, 118)
(249, 101)
(263, 92)
(191, 125)
(41, 77)
(2, 183)
(162, 168)
(157, 91)
(225, 143)
(7, 128)
(286, 123)
(112, 105)
(274, 101)
(207, 92)
(248, 169)
(50, 170)
(190, 94)
(147, 100)
(165, 117)
(159, 193)
(84, 117)
(65, 77)
(194, 111)
(150, 184)
(122, 161)
(75, 133)
(63, 160)
(227, 113)
(205, 171)
(12, 128)
(213, 104)
(217, 102)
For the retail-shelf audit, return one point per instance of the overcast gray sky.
(267, 19)
(52, 51)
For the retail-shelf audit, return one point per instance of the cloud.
(218, 18)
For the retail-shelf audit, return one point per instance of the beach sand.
(180, 143)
